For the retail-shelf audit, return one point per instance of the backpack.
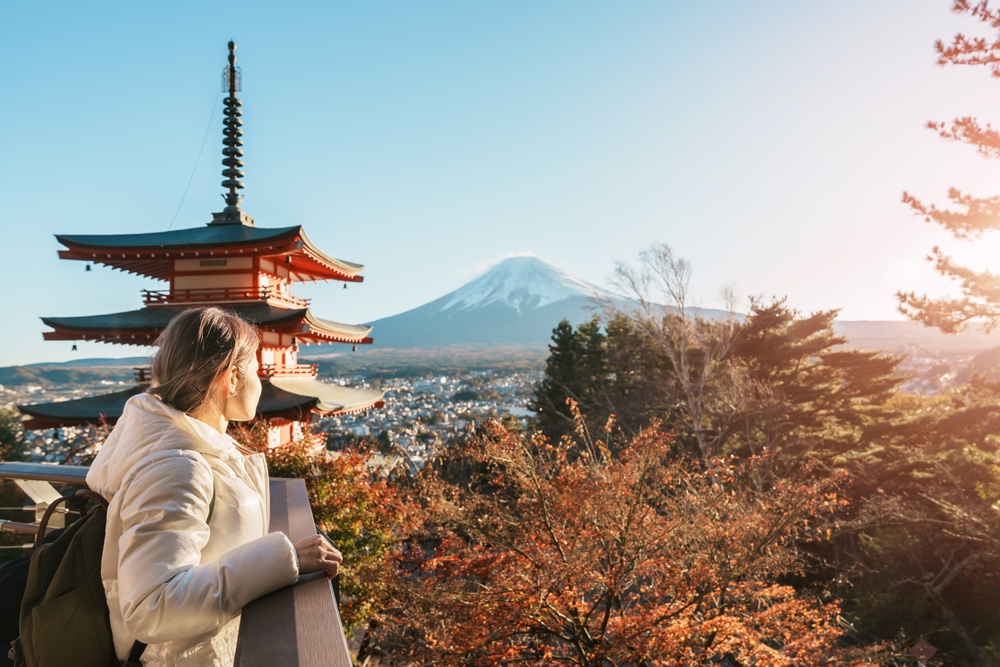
(64, 613)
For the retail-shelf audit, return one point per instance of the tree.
(657, 289)
(923, 530)
(575, 369)
(806, 394)
(973, 216)
(772, 383)
(560, 553)
(11, 435)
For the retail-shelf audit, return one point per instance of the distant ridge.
(96, 362)
(894, 336)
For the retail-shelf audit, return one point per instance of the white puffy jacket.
(172, 580)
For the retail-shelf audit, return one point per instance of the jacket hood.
(147, 427)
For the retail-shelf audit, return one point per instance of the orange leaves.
(547, 555)
(975, 50)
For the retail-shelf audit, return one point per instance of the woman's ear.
(232, 380)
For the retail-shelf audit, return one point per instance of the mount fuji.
(519, 301)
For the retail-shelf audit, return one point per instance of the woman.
(187, 543)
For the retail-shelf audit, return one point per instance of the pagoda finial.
(232, 83)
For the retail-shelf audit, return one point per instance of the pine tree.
(973, 216)
(575, 369)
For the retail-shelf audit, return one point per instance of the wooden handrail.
(300, 624)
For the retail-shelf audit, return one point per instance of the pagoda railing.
(299, 370)
(143, 375)
(220, 295)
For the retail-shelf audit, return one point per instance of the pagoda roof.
(287, 396)
(78, 411)
(281, 398)
(149, 254)
(141, 327)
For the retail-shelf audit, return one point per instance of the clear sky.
(767, 141)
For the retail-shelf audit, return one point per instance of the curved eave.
(313, 262)
(295, 399)
(334, 332)
(191, 238)
(141, 327)
(79, 412)
(151, 254)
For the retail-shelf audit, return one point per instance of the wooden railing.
(297, 626)
(144, 374)
(220, 295)
(275, 370)
(300, 624)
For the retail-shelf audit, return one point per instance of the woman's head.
(208, 355)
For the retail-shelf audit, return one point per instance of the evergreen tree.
(973, 216)
(575, 369)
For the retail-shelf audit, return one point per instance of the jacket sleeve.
(166, 593)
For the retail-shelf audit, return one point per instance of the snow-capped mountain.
(518, 301)
(520, 282)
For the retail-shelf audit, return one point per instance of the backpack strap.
(43, 524)
(135, 654)
(77, 502)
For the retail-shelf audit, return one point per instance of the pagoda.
(230, 263)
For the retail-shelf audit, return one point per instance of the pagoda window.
(213, 264)
(209, 281)
(266, 356)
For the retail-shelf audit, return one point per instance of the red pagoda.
(230, 263)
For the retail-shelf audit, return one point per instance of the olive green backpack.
(64, 612)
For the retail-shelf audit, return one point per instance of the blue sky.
(767, 142)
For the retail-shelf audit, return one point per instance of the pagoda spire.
(232, 82)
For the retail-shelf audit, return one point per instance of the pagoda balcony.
(222, 295)
(143, 375)
(299, 370)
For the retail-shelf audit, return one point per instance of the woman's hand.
(316, 554)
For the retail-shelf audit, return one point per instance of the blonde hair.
(194, 349)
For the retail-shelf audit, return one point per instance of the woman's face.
(242, 406)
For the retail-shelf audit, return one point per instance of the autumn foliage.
(560, 553)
